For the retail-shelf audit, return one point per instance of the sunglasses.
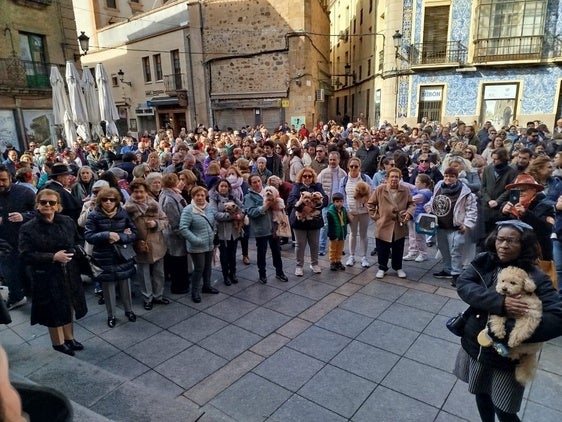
(307, 176)
(108, 199)
(423, 161)
(44, 203)
(353, 167)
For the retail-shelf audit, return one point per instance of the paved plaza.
(336, 346)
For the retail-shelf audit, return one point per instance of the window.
(157, 67)
(111, 4)
(146, 69)
(510, 29)
(499, 104)
(431, 103)
(176, 68)
(34, 58)
(369, 67)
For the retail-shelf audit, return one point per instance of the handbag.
(283, 226)
(125, 252)
(457, 323)
(82, 260)
(140, 246)
(426, 224)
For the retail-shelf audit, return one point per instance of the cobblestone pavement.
(335, 346)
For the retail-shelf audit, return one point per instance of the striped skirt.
(499, 384)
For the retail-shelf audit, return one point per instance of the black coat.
(480, 293)
(16, 199)
(317, 222)
(97, 231)
(57, 289)
(71, 206)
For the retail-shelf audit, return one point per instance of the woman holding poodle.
(491, 377)
(307, 224)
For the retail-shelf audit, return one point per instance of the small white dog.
(513, 281)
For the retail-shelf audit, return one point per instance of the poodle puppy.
(236, 214)
(278, 208)
(513, 281)
(362, 192)
(307, 207)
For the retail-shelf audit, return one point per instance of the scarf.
(198, 209)
(110, 214)
(451, 190)
(500, 169)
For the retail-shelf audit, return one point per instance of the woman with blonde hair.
(306, 217)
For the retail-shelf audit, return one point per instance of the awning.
(162, 101)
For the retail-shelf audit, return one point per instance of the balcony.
(508, 49)
(451, 53)
(173, 83)
(34, 3)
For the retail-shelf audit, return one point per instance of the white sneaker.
(315, 269)
(350, 261)
(420, 258)
(365, 262)
(401, 273)
(298, 271)
(380, 274)
(409, 257)
(14, 305)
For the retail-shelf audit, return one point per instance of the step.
(95, 393)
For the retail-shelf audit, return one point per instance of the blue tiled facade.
(538, 84)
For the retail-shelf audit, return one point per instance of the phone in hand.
(514, 195)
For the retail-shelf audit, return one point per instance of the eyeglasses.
(44, 203)
(508, 240)
(108, 199)
(307, 176)
(353, 167)
(423, 161)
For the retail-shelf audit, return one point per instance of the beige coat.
(385, 212)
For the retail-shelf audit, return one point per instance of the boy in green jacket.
(337, 231)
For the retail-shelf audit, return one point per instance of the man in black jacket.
(16, 206)
(369, 156)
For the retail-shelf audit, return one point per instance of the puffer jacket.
(225, 227)
(476, 287)
(198, 231)
(96, 232)
(172, 204)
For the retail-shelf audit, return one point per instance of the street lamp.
(121, 75)
(348, 73)
(397, 40)
(84, 42)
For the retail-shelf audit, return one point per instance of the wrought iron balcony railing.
(17, 73)
(434, 53)
(508, 49)
(173, 82)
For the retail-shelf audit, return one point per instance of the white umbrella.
(92, 103)
(77, 101)
(108, 110)
(61, 106)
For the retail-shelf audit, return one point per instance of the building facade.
(30, 45)
(218, 63)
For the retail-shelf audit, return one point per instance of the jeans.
(451, 244)
(324, 232)
(261, 246)
(202, 267)
(303, 237)
(227, 250)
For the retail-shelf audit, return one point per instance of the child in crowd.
(417, 248)
(337, 231)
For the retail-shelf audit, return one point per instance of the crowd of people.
(143, 209)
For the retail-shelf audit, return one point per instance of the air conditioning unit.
(320, 95)
(343, 36)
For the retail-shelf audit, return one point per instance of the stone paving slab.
(329, 347)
